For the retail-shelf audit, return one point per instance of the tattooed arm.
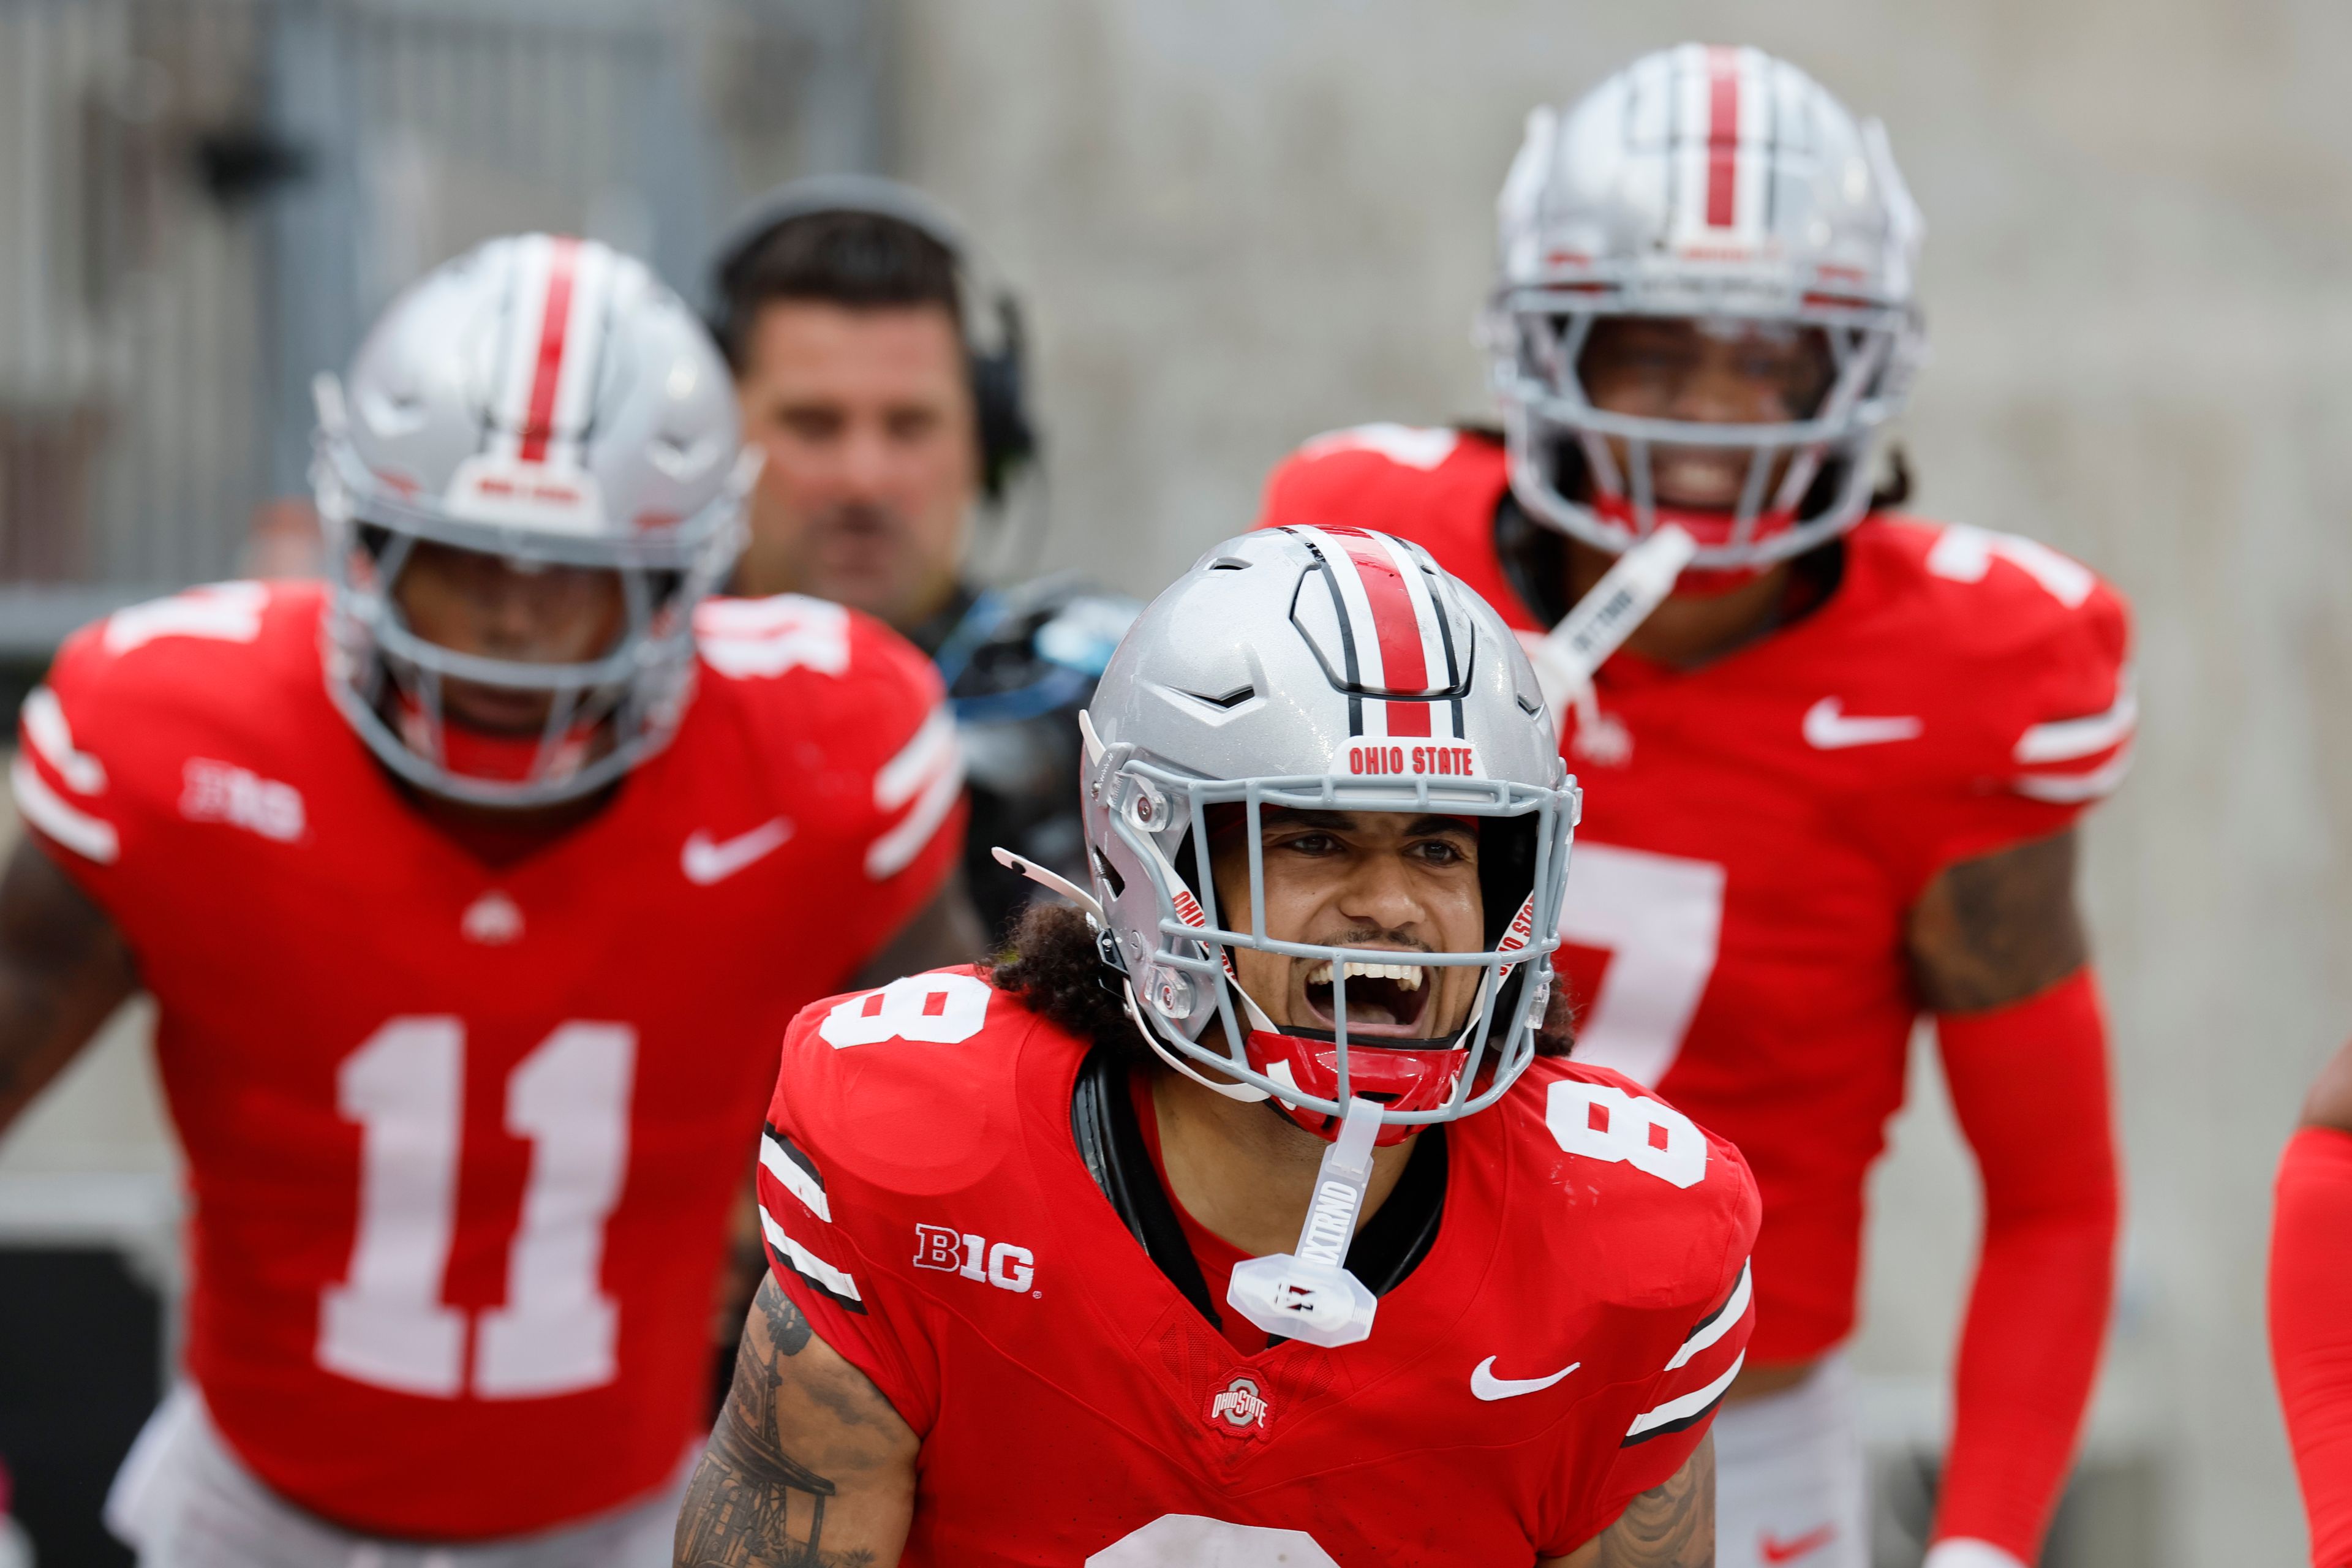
(809, 1466)
(1997, 928)
(1672, 1526)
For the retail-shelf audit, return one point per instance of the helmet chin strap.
(1610, 611)
(1055, 882)
(1242, 1093)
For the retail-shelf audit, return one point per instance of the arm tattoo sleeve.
(751, 1504)
(1998, 929)
(1672, 1526)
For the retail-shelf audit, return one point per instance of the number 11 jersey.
(462, 1137)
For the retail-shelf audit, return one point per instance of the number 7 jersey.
(462, 1137)
(1756, 831)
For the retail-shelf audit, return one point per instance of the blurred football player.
(887, 390)
(1832, 777)
(475, 888)
(2310, 1291)
(1249, 1216)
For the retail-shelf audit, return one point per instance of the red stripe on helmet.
(539, 421)
(1722, 137)
(1398, 629)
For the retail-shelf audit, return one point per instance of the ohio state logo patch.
(1238, 1409)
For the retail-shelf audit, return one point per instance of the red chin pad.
(494, 759)
(1713, 531)
(1401, 1077)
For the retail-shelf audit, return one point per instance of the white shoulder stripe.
(919, 760)
(2064, 740)
(834, 1279)
(1689, 1404)
(52, 737)
(2068, 789)
(796, 1181)
(85, 834)
(1725, 1320)
(894, 851)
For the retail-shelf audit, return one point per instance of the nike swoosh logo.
(1829, 730)
(1812, 1540)
(705, 862)
(1488, 1386)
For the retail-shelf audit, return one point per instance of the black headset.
(1008, 441)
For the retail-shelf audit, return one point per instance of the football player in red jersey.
(475, 890)
(1831, 779)
(1036, 1296)
(2310, 1283)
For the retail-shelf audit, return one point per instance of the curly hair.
(1052, 966)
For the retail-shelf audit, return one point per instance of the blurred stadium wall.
(1244, 221)
(1239, 222)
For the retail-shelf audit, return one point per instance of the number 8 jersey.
(1756, 830)
(463, 1136)
(933, 1207)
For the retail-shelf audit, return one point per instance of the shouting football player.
(888, 395)
(1831, 779)
(1249, 1216)
(475, 890)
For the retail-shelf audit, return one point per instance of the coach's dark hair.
(862, 260)
(1053, 965)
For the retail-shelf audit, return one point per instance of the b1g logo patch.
(1004, 1266)
(1238, 1409)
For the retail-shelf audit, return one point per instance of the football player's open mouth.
(1383, 999)
(494, 710)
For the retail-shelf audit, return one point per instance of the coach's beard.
(868, 555)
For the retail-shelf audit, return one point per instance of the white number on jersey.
(936, 1009)
(1659, 916)
(1601, 1122)
(749, 638)
(1199, 1541)
(1964, 555)
(223, 611)
(386, 1324)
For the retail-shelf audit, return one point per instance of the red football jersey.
(1559, 1350)
(1756, 830)
(462, 1139)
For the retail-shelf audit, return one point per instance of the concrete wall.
(1241, 221)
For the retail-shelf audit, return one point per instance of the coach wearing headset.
(887, 395)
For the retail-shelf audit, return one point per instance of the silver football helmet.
(547, 400)
(1724, 185)
(1321, 669)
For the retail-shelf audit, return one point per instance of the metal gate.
(204, 201)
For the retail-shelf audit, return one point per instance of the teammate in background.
(1034, 1297)
(887, 390)
(2310, 1289)
(475, 888)
(1831, 780)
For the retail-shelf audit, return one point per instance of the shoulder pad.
(1032, 650)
